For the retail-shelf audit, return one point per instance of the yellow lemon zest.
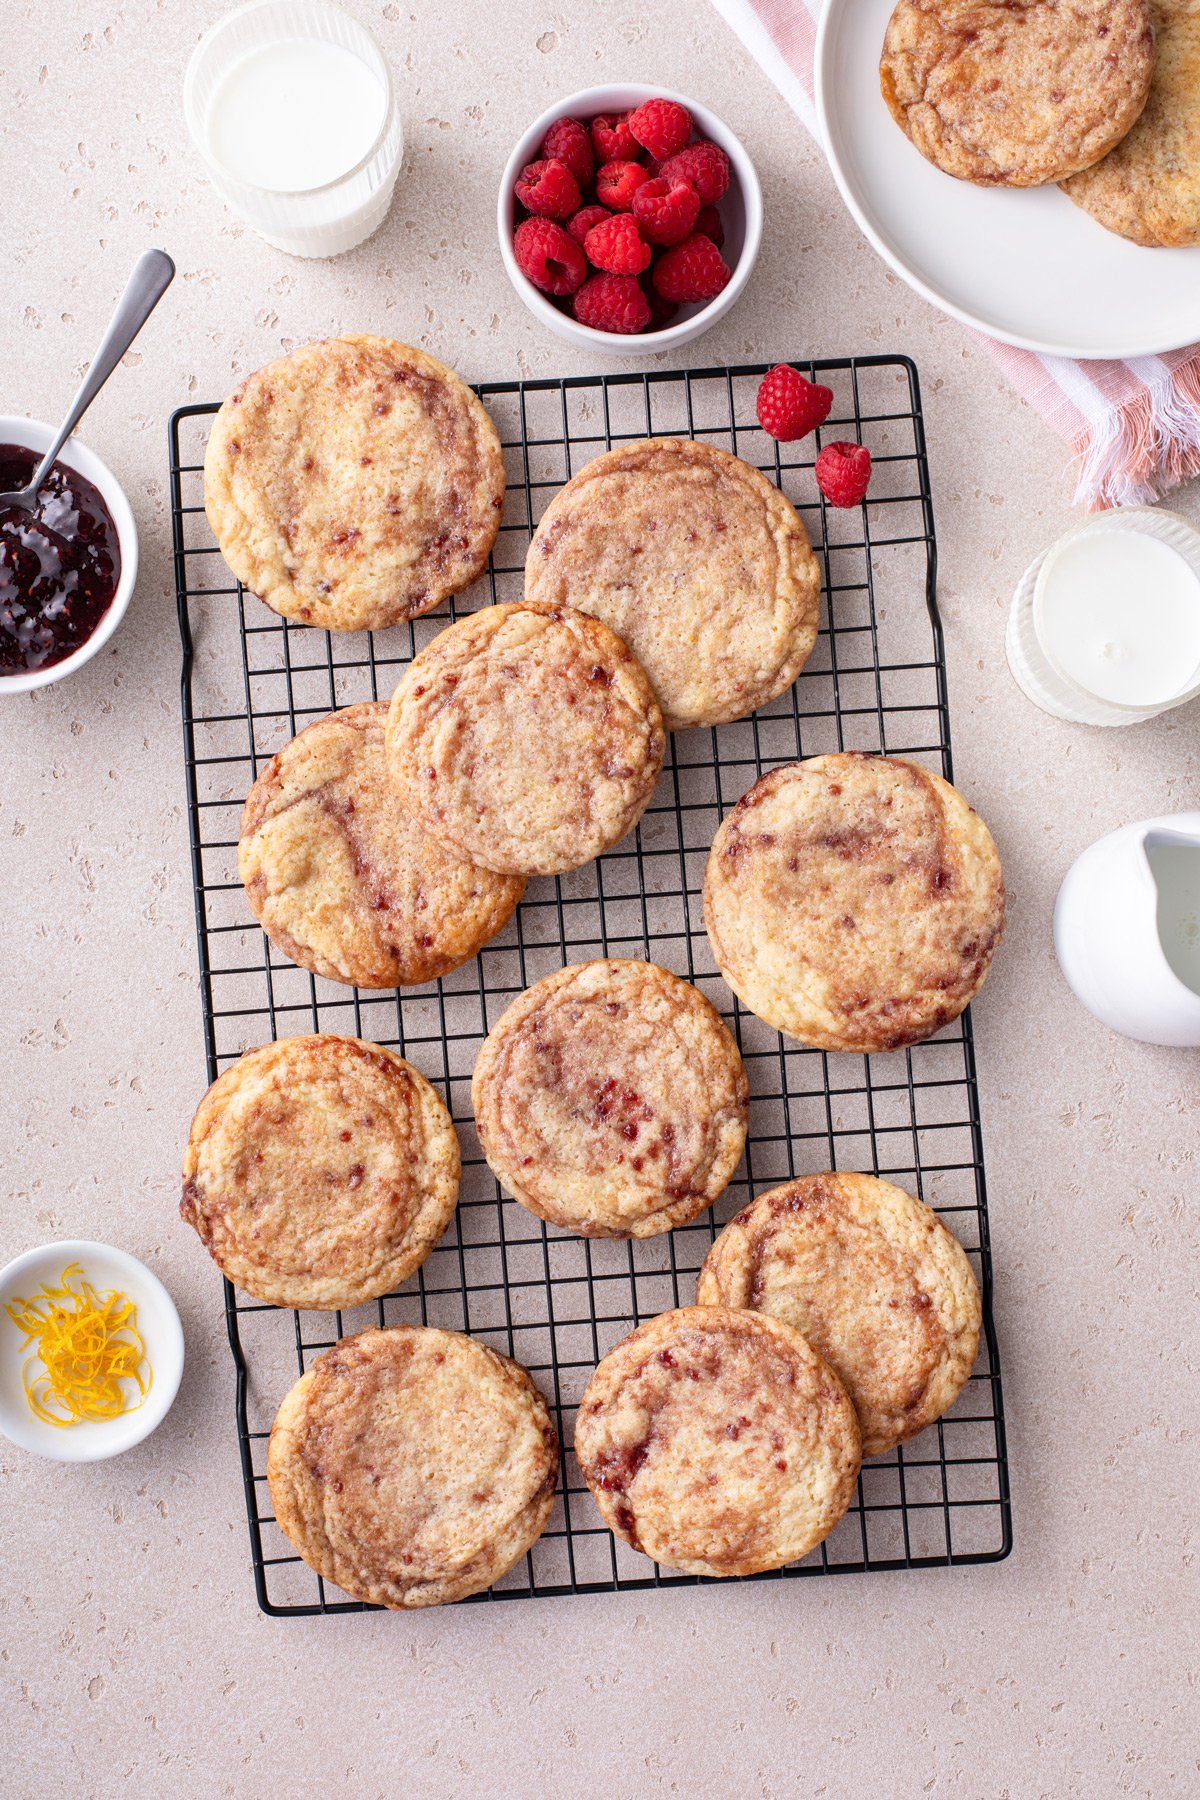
(90, 1356)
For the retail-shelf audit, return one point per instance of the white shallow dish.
(1026, 266)
(741, 213)
(34, 435)
(157, 1320)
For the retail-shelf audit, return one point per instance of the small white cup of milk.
(1105, 626)
(291, 105)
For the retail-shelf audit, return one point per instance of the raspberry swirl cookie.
(611, 1100)
(354, 484)
(412, 1466)
(320, 1171)
(701, 565)
(874, 1281)
(343, 879)
(1016, 93)
(526, 738)
(854, 902)
(718, 1442)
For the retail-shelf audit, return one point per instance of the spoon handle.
(152, 275)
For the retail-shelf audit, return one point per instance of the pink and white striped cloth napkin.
(1134, 426)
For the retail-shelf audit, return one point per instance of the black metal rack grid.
(556, 1302)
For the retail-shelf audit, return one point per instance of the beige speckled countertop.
(133, 1660)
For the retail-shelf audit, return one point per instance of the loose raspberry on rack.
(661, 126)
(584, 219)
(571, 143)
(666, 209)
(616, 245)
(612, 303)
(694, 270)
(708, 223)
(618, 182)
(548, 188)
(844, 473)
(706, 166)
(789, 407)
(549, 256)
(612, 139)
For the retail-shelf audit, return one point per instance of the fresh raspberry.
(571, 143)
(618, 182)
(548, 188)
(584, 219)
(706, 166)
(844, 473)
(693, 270)
(661, 311)
(661, 126)
(616, 244)
(666, 209)
(708, 224)
(789, 407)
(612, 303)
(613, 140)
(549, 256)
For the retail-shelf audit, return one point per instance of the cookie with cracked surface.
(854, 902)
(611, 1099)
(874, 1281)
(526, 738)
(341, 876)
(354, 484)
(1017, 93)
(1148, 188)
(718, 1442)
(698, 561)
(320, 1171)
(412, 1466)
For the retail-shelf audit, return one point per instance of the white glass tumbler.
(305, 220)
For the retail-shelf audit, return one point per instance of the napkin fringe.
(1145, 445)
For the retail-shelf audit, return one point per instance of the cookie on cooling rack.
(874, 1281)
(354, 484)
(341, 876)
(526, 738)
(698, 561)
(1148, 188)
(854, 902)
(412, 1466)
(320, 1171)
(1017, 93)
(718, 1442)
(611, 1100)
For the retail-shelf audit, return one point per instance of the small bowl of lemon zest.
(90, 1362)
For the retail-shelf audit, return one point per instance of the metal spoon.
(152, 275)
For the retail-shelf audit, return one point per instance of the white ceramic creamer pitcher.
(1127, 929)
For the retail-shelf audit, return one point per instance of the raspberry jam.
(59, 564)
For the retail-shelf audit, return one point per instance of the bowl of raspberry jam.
(67, 565)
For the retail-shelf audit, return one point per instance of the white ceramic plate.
(1028, 267)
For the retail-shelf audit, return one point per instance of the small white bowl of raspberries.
(629, 219)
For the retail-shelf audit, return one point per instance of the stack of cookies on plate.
(1101, 96)
(852, 901)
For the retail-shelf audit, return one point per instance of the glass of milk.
(1105, 627)
(291, 105)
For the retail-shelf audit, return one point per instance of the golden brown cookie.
(611, 1099)
(854, 902)
(526, 738)
(874, 1281)
(320, 1171)
(412, 1466)
(1148, 188)
(700, 564)
(718, 1442)
(355, 483)
(1016, 93)
(343, 879)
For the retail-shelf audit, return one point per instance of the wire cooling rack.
(556, 1302)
